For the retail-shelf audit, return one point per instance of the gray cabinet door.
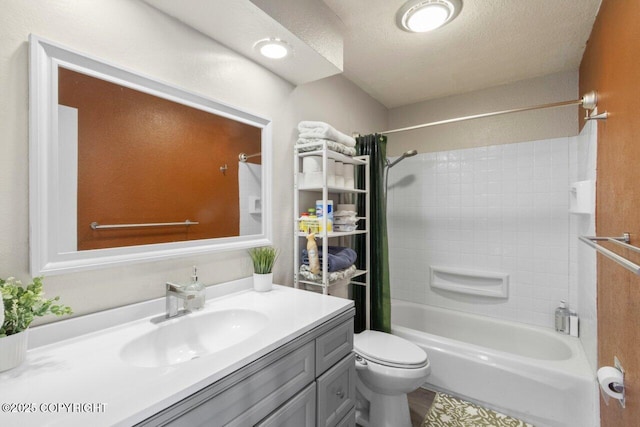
(336, 390)
(249, 401)
(332, 346)
(297, 412)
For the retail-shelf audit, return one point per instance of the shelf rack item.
(325, 193)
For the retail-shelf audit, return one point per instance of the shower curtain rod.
(588, 102)
(243, 156)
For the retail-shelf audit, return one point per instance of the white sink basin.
(192, 336)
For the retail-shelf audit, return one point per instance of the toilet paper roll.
(349, 183)
(348, 173)
(611, 382)
(339, 168)
(312, 180)
(312, 164)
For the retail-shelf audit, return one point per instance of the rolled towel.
(339, 257)
(333, 276)
(311, 129)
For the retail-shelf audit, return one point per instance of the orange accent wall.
(144, 159)
(611, 65)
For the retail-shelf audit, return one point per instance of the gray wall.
(517, 127)
(136, 36)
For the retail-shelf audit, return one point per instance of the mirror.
(124, 168)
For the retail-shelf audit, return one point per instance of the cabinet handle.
(340, 393)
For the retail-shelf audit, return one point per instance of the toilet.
(388, 367)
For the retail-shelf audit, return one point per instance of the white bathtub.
(528, 372)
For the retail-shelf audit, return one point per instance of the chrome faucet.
(175, 293)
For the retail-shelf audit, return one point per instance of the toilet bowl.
(388, 367)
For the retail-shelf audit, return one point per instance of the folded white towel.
(312, 144)
(310, 129)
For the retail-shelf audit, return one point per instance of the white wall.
(136, 36)
(502, 208)
(510, 128)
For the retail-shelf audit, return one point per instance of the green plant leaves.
(23, 304)
(263, 259)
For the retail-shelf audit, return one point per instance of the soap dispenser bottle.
(198, 291)
(562, 318)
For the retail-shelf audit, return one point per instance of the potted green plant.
(21, 305)
(263, 260)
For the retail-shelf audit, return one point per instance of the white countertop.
(87, 369)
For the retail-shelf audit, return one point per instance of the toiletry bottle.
(312, 253)
(562, 318)
(198, 290)
(573, 324)
(313, 223)
(303, 224)
(323, 210)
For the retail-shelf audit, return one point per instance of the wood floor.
(419, 404)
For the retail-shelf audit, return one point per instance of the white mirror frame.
(45, 177)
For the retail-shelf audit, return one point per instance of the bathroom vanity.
(310, 378)
(279, 358)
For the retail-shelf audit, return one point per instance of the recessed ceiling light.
(419, 16)
(273, 48)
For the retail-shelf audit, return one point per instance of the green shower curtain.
(376, 147)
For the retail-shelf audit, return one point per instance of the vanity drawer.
(349, 420)
(253, 398)
(297, 412)
(336, 391)
(332, 346)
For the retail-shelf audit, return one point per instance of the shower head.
(409, 153)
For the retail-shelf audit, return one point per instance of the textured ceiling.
(491, 42)
(239, 24)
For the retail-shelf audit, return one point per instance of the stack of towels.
(312, 134)
(340, 264)
(345, 218)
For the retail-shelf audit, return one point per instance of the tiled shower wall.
(501, 208)
(582, 261)
(250, 188)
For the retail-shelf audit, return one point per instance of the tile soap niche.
(471, 282)
(581, 197)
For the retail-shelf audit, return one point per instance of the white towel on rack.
(313, 144)
(311, 129)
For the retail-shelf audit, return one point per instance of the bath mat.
(447, 411)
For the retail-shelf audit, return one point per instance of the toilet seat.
(389, 350)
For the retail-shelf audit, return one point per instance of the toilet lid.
(388, 349)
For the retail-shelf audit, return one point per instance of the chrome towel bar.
(96, 226)
(620, 241)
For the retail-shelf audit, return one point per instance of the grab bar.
(620, 241)
(96, 226)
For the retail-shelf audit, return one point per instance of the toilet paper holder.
(611, 382)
